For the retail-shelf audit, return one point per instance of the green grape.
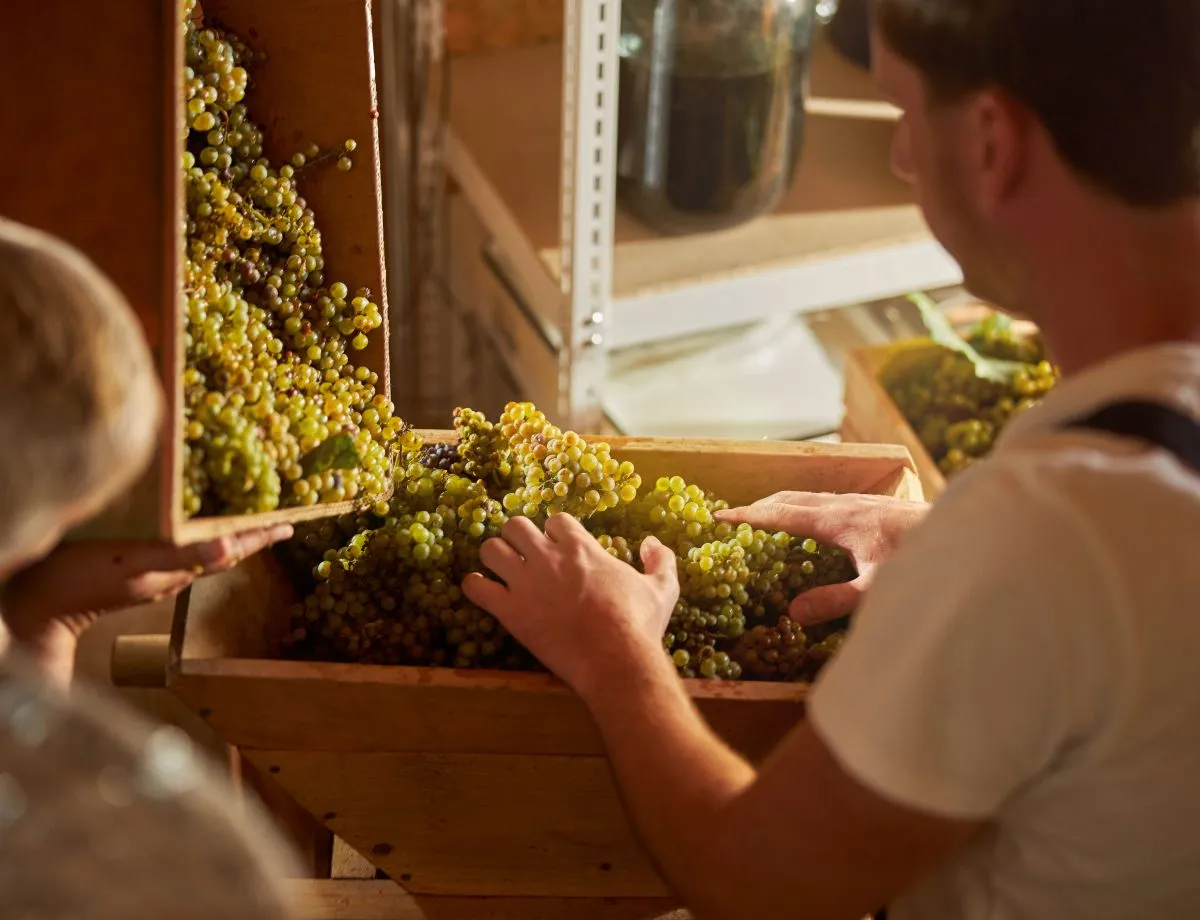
(267, 378)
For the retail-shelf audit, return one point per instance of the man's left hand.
(49, 604)
(578, 609)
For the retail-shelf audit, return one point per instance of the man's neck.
(1117, 288)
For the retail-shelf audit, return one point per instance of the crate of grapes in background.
(225, 174)
(930, 399)
(486, 776)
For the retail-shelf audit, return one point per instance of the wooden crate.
(872, 417)
(476, 783)
(96, 160)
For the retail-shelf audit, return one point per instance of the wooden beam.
(385, 900)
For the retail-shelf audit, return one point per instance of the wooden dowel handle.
(140, 661)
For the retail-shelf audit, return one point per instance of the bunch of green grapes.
(956, 413)
(382, 585)
(553, 471)
(276, 413)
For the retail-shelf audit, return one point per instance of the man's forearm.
(676, 778)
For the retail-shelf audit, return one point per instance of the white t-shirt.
(1031, 655)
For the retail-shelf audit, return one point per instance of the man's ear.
(999, 128)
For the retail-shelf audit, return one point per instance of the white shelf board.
(771, 379)
(847, 232)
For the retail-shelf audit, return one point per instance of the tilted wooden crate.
(872, 417)
(96, 159)
(474, 783)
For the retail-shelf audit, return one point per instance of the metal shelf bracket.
(591, 34)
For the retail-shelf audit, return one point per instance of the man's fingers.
(501, 558)
(201, 558)
(523, 535)
(829, 602)
(800, 499)
(661, 565)
(158, 586)
(483, 592)
(816, 522)
(563, 528)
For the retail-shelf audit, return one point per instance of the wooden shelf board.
(505, 113)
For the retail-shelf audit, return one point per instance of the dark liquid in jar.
(700, 152)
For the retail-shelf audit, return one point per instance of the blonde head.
(79, 396)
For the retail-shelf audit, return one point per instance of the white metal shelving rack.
(556, 311)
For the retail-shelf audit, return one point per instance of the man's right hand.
(868, 527)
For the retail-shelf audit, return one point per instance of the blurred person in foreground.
(1011, 728)
(102, 815)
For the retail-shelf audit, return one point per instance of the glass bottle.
(711, 108)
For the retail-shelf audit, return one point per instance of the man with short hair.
(1010, 730)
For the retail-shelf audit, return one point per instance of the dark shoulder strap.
(1151, 422)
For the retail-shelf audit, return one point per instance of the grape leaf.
(941, 332)
(334, 453)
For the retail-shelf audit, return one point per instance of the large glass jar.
(711, 110)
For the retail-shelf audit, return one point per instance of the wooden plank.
(385, 900)
(107, 178)
(103, 177)
(487, 25)
(311, 843)
(352, 708)
(348, 863)
(476, 824)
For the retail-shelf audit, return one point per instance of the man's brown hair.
(80, 403)
(1116, 85)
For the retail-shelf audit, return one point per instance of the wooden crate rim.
(452, 679)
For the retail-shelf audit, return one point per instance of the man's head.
(1028, 117)
(80, 404)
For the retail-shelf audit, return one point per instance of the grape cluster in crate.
(382, 586)
(276, 412)
(956, 412)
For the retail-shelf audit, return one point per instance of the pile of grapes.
(382, 586)
(276, 414)
(956, 413)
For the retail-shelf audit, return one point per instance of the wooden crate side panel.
(742, 472)
(94, 159)
(386, 900)
(356, 708)
(486, 25)
(872, 417)
(476, 824)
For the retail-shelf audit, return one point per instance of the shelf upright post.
(591, 30)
